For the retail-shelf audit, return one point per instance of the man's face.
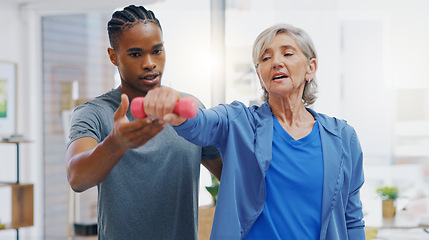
(140, 58)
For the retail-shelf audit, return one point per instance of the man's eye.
(158, 51)
(135, 54)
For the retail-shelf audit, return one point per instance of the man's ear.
(112, 55)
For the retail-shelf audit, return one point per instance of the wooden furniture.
(205, 222)
(21, 194)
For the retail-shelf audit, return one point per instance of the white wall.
(186, 28)
(20, 44)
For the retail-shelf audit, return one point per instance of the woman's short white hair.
(304, 42)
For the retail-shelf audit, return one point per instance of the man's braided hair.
(126, 19)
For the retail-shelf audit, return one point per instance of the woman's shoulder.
(331, 120)
(333, 124)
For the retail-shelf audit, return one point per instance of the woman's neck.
(293, 116)
(289, 111)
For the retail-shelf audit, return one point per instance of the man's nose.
(148, 63)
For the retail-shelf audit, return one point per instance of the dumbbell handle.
(186, 107)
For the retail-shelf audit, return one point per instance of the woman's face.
(283, 67)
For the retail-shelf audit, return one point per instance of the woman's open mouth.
(279, 77)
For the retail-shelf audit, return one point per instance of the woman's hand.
(160, 102)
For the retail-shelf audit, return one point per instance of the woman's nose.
(277, 62)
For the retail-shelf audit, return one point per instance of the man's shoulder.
(102, 105)
(112, 97)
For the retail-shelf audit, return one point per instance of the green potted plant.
(213, 189)
(2, 226)
(388, 196)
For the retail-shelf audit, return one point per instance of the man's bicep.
(80, 145)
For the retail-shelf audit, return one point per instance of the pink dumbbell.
(186, 107)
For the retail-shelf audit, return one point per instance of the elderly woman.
(288, 171)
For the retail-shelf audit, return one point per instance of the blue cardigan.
(244, 136)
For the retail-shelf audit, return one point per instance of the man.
(147, 176)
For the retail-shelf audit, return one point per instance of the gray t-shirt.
(152, 193)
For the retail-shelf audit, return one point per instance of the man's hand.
(134, 134)
(90, 162)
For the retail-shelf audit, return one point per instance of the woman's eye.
(264, 59)
(288, 54)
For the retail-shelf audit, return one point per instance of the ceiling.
(72, 5)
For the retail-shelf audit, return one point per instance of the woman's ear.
(260, 79)
(311, 71)
(112, 55)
